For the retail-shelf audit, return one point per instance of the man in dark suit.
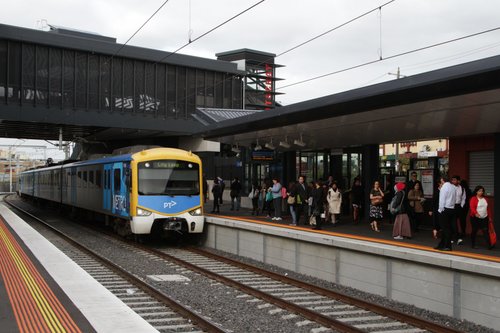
(301, 193)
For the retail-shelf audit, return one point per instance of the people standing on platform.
(334, 199)
(416, 200)
(329, 182)
(376, 206)
(388, 195)
(254, 195)
(312, 186)
(402, 227)
(235, 194)
(277, 198)
(410, 185)
(318, 198)
(446, 209)
(356, 199)
(292, 202)
(267, 198)
(301, 193)
(217, 193)
(222, 187)
(460, 213)
(480, 216)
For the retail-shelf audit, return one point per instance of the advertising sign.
(427, 179)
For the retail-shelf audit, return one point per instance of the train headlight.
(195, 212)
(143, 212)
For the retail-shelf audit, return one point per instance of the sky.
(275, 26)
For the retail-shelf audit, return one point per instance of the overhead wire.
(210, 31)
(335, 28)
(142, 26)
(390, 57)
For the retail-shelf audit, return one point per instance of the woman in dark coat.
(402, 227)
(217, 192)
(318, 197)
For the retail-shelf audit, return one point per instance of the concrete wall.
(456, 286)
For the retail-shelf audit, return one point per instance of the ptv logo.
(169, 204)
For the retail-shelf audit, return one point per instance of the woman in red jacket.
(480, 215)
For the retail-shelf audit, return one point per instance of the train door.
(107, 196)
(119, 189)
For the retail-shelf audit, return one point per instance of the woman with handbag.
(254, 196)
(402, 227)
(480, 216)
(376, 206)
(416, 200)
(334, 199)
(292, 202)
(318, 198)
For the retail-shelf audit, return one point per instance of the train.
(155, 191)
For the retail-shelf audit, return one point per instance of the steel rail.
(291, 307)
(387, 312)
(144, 286)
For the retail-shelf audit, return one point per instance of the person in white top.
(459, 211)
(446, 209)
(480, 216)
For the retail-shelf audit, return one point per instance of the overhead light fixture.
(236, 149)
(257, 146)
(285, 143)
(299, 142)
(270, 145)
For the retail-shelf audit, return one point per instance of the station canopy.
(460, 100)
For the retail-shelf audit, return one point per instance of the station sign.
(263, 155)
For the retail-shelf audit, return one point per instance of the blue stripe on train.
(169, 204)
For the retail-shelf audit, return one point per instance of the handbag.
(312, 220)
(290, 200)
(269, 196)
(493, 235)
(396, 210)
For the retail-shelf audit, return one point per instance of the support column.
(496, 179)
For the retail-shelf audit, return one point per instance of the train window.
(109, 179)
(117, 180)
(79, 175)
(91, 176)
(98, 178)
(85, 176)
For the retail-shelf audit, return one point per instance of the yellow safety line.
(46, 310)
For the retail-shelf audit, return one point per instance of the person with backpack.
(399, 209)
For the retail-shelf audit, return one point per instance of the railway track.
(311, 305)
(157, 308)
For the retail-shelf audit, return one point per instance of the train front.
(166, 192)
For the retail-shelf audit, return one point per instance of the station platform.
(42, 290)
(421, 240)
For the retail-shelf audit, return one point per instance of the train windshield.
(169, 177)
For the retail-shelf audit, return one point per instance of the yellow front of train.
(166, 192)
